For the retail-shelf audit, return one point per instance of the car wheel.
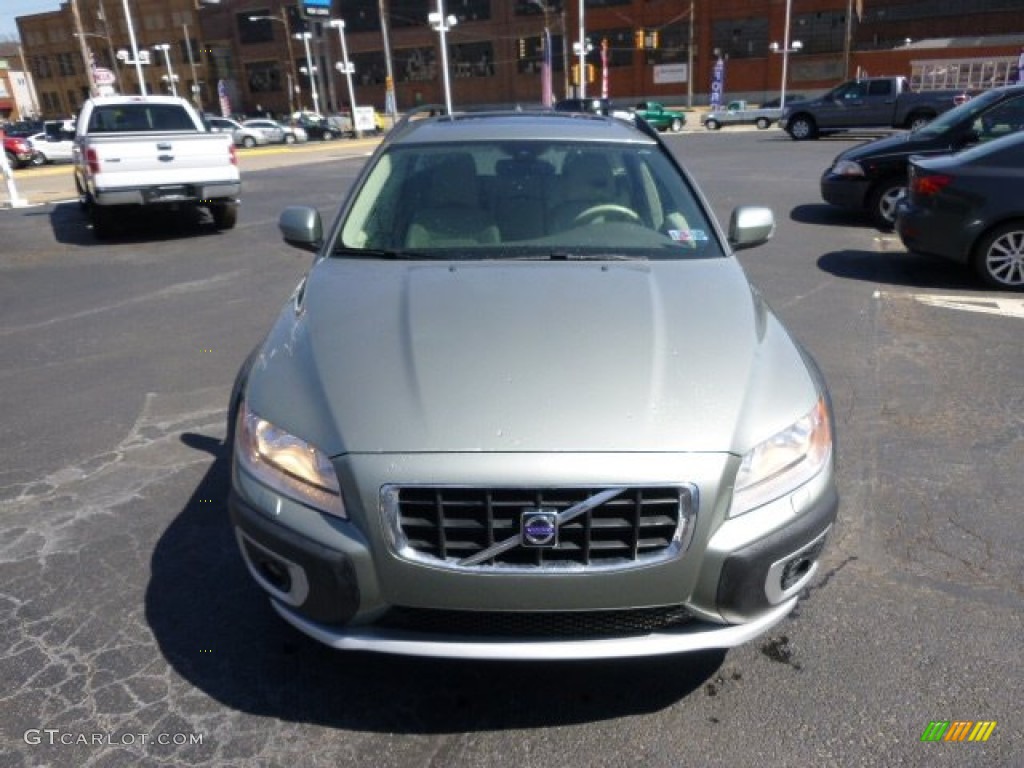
(676, 125)
(12, 161)
(883, 201)
(38, 158)
(289, 139)
(763, 122)
(999, 257)
(248, 142)
(328, 136)
(802, 128)
(225, 215)
(712, 125)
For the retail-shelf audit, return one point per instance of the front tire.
(676, 125)
(289, 139)
(883, 201)
(919, 120)
(762, 123)
(12, 161)
(998, 258)
(248, 142)
(803, 128)
(712, 125)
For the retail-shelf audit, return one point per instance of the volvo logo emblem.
(539, 528)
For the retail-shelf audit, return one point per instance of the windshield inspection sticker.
(687, 235)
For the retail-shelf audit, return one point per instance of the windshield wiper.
(383, 253)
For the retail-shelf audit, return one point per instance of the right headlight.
(287, 464)
(783, 462)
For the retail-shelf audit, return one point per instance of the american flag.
(225, 102)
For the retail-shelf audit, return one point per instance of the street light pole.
(135, 48)
(171, 77)
(390, 103)
(346, 67)
(192, 66)
(312, 70)
(442, 24)
(547, 92)
(785, 51)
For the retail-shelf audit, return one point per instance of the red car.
(18, 150)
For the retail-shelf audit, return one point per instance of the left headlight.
(287, 463)
(847, 168)
(783, 462)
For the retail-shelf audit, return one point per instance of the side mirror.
(750, 226)
(300, 226)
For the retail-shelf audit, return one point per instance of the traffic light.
(575, 74)
(591, 73)
(638, 39)
(654, 38)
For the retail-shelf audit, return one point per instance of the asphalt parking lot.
(130, 633)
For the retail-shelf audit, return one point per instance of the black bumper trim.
(333, 587)
(741, 586)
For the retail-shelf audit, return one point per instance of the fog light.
(800, 565)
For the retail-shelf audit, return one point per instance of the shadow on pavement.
(217, 630)
(70, 224)
(900, 268)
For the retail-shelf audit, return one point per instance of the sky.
(10, 9)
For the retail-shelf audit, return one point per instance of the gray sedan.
(526, 405)
(968, 207)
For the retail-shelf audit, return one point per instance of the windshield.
(966, 112)
(528, 199)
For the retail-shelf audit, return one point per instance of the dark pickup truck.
(874, 102)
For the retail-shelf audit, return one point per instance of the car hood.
(526, 356)
(898, 146)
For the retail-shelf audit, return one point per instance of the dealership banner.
(717, 83)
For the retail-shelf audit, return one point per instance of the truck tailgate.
(120, 161)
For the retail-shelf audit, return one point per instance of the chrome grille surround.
(445, 526)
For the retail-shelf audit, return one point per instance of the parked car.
(968, 207)
(242, 136)
(275, 131)
(19, 151)
(740, 113)
(317, 126)
(661, 118)
(872, 177)
(23, 128)
(55, 143)
(549, 421)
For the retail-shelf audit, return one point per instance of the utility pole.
(84, 49)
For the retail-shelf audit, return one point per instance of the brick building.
(496, 47)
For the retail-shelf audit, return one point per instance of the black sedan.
(968, 207)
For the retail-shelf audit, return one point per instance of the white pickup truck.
(153, 152)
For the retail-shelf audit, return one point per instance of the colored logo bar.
(958, 730)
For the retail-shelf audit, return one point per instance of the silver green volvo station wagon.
(526, 405)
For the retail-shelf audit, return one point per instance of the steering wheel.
(606, 210)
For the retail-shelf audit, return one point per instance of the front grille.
(539, 624)
(449, 524)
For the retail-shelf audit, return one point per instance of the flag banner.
(547, 97)
(225, 102)
(717, 83)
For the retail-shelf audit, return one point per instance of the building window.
(263, 77)
(473, 60)
(741, 38)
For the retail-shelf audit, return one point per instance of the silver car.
(526, 405)
(242, 136)
(276, 132)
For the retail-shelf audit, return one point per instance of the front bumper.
(849, 192)
(344, 582)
